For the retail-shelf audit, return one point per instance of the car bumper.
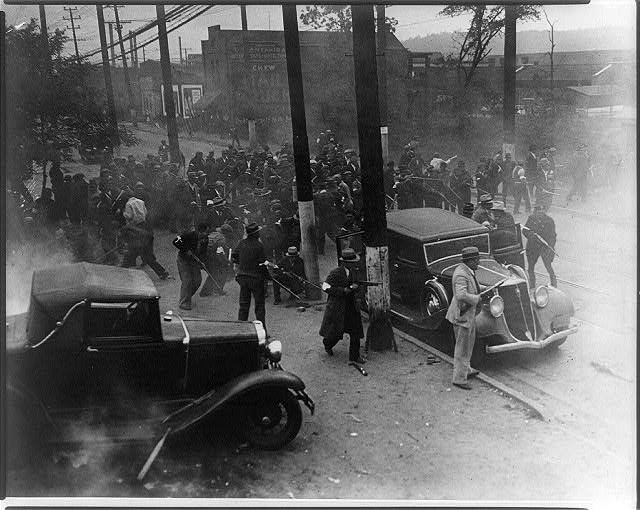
(542, 344)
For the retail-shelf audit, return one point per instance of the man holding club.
(462, 314)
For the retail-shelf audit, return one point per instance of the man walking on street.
(462, 314)
(540, 231)
(342, 314)
(248, 260)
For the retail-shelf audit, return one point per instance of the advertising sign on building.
(176, 100)
(191, 94)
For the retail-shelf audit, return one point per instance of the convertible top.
(430, 224)
(55, 290)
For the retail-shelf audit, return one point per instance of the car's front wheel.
(272, 419)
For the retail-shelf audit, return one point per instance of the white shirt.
(135, 211)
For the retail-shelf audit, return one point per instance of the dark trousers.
(547, 257)
(190, 278)
(145, 252)
(354, 345)
(250, 286)
(520, 191)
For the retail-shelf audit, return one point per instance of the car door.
(125, 354)
(406, 268)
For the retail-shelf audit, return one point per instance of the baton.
(539, 238)
(207, 271)
(494, 286)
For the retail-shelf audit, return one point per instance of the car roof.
(56, 289)
(75, 282)
(429, 224)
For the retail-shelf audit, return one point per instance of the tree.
(50, 109)
(334, 18)
(486, 23)
(553, 45)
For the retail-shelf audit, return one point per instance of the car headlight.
(496, 306)
(274, 351)
(541, 296)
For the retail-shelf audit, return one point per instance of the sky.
(412, 21)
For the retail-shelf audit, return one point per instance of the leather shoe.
(463, 385)
(473, 373)
(358, 360)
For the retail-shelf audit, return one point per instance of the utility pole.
(43, 32)
(251, 123)
(380, 332)
(46, 62)
(125, 69)
(301, 149)
(144, 55)
(72, 19)
(106, 69)
(243, 16)
(132, 50)
(382, 80)
(112, 45)
(180, 48)
(509, 100)
(169, 106)
(135, 50)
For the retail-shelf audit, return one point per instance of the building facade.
(245, 77)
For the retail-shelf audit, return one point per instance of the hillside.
(537, 41)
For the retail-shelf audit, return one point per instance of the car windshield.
(438, 250)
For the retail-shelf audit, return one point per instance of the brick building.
(259, 89)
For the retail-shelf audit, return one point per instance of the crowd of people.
(209, 202)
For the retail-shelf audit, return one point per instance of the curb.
(515, 394)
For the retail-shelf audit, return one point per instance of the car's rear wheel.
(272, 419)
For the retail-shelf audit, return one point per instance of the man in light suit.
(462, 313)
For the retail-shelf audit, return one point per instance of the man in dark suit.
(462, 314)
(248, 259)
(540, 231)
(342, 314)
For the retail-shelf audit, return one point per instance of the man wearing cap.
(342, 314)
(248, 261)
(540, 231)
(290, 272)
(462, 313)
(483, 214)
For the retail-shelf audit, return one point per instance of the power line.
(176, 12)
(73, 28)
(182, 23)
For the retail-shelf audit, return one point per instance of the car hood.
(203, 330)
(489, 271)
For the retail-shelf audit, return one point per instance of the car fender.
(231, 392)
(559, 306)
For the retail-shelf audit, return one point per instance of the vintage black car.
(424, 249)
(93, 348)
